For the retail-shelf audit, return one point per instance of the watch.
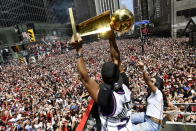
(78, 55)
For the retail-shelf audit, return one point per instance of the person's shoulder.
(158, 93)
(104, 95)
(126, 89)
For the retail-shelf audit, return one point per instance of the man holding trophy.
(112, 96)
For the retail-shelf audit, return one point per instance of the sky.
(127, 4)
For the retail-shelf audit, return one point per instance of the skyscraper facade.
(104, 5)
(141, 10)
(157, 11)
(84, 10)
(137, 8)
(13, 12)
(144, 9)
(181, 13)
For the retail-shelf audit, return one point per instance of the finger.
(79, 39)
(77, 35)
(72, 39)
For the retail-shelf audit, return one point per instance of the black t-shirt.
(105, 96)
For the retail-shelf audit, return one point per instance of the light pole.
(141, 35)
(140, 13)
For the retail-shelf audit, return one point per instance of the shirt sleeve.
(105, 100)
(104, 96)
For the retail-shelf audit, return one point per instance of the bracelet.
(78, 55)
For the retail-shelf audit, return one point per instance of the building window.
(187, 13)
(179, 13)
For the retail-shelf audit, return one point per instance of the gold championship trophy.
(121, 21)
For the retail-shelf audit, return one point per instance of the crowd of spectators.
(48, 94)
(43, 95)
(174, 61)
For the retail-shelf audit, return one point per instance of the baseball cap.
(111, 74)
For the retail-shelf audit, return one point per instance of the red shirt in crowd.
(145, 31)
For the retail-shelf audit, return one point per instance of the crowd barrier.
(85, 116)
(179, 126)
(169, 126)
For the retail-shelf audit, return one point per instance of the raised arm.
(114, 52)
(147, 78)
(91, 85)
